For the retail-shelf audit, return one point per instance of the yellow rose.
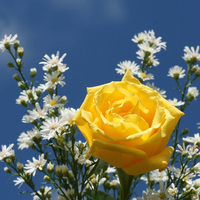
(128, 125)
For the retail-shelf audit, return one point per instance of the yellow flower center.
(87, 156)
(53, 80)
(162, 195)
(143, 75)
(53, 103)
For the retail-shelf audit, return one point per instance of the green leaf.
(99, 195)
(125, 183)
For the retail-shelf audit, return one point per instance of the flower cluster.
(78, 170)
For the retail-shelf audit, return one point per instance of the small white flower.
(161, 92)
(158, 176)
(194, 140)
(173, 190)
(156, 41)
(54, 79)
(68, 114)
(7, 40)
(175, 102)
(6, 151)
(183, 150)
(51, 127)
(144, 76)
(46, 191)
(176, 71)
(52, 102)
(140, 38)
(54, 61)
(36, 164)
(193, 91)
(123, 66)
(19, 181)
(191, 54)
(162, 194)
(145, 46)
(36, 113)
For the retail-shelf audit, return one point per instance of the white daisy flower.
(6, 151)
(195, 140)
(183, 150)
(46, 191)
(123, 66)
(175, 102)
(176, 72)
(26, 140)
(51, 127)
(54, 79)
(52, 102)
(191, 54)
(192, 93)
(68, 114)
(37, 113)
(145, 46)
(156, 41)
(158, 176)
(140, 38)
(144, 76)
(162, 194)
(7, 41)
(161, 92)
(36, 164)
(19, 181)
(54, 61)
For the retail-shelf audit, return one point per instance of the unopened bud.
(185, 131)
(63, 99)
(20, 51)
(20, 167)
(22, 85)
(8, 161)
(7, 45)
(47, 178)
(16, 77)
(23, 103)
(50, 167)
(33, 72)
(42, 189)
(38, 92)
(9, 64)
(16, 44)
(8, 170)
(189, 97)
(58, 170)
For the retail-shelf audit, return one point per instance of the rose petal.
(159, 161)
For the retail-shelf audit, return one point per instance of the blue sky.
(96, 35)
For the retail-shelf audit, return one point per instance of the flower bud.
(50, 167)
(8, 161)
(42, 189)
(16, 44)
(7, 45)
(189, 97)
(58, 170)
(16, 77)
(19, 61)
(185, 131)
(8, 170)
(47, 178)
(20, 51)
(9, 64)
(29, 93)
(23, 103)
(38, 92)
(63, 99)
(107, 185)
(20, 167)
(21, 85)
(65, 169)
(176, 76)
(33, 72)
